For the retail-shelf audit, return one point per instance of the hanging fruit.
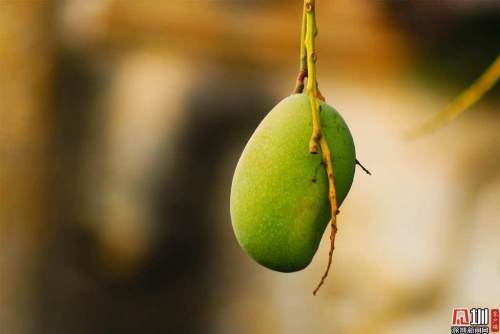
(283, 193)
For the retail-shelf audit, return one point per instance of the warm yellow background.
(121, 123)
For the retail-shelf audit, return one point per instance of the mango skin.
(279, 195)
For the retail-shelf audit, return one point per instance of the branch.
(465, 100)
(309, 6)
(316, 137)
(334, 208)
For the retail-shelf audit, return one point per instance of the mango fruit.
(279, 194)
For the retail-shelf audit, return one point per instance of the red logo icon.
(460, 317)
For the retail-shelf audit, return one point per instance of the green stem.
(311, 31)
(317, 140)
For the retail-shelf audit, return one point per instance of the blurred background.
(121, 123)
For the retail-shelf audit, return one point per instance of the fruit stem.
(311, 30)
(333, 204)
(299, 85)
(310, 10)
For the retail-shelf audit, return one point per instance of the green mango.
(279, 194)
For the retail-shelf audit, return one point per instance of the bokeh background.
(121, 123)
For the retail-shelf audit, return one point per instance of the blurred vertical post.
(25, 62)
